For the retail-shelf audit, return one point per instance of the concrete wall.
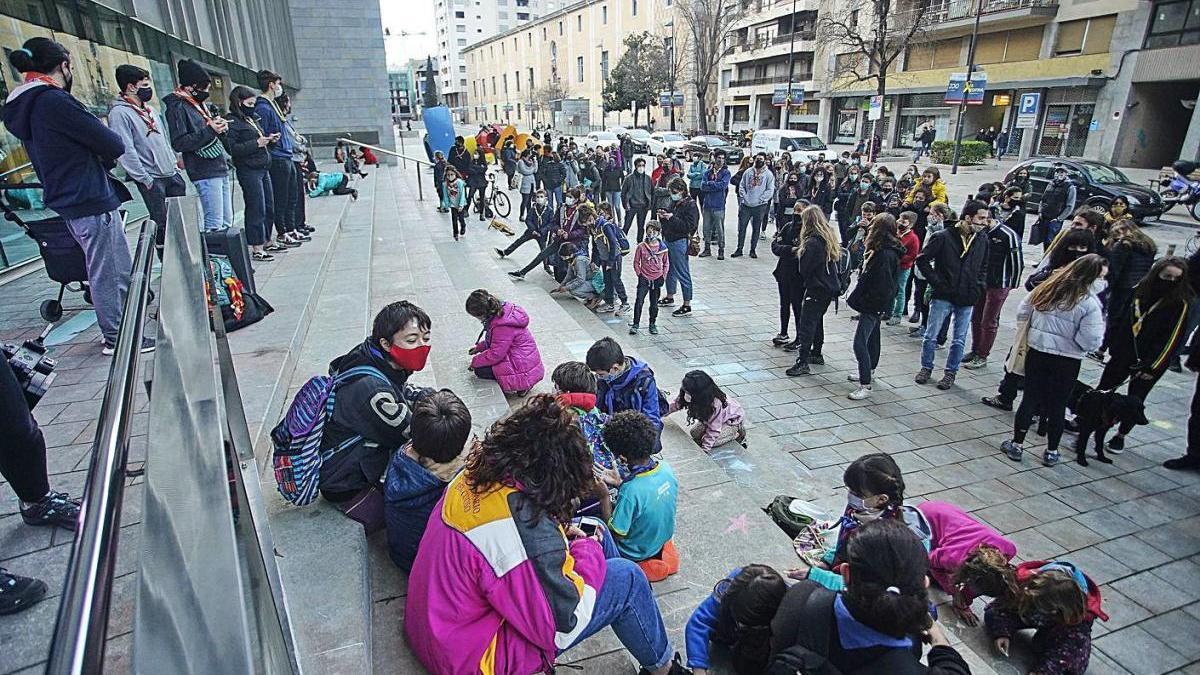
(344, 84)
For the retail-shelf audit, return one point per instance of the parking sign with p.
(1027, 110)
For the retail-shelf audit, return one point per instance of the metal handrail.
(8, 173)
(78, 643)
(418, 162)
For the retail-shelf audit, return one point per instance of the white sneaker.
(860, 393)
(621, 309)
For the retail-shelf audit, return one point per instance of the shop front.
(916, 109)
(1067, 121)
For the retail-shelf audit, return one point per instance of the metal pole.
(787, 101)
(402, 150)
(420, 189)
(674, 46)
(962, 107)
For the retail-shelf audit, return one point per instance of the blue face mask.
(675, 196)
(854, 502)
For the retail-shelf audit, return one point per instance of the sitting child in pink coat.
(507, 352)
(963, 553)
(717, 418)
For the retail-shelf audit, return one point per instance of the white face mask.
(570, 201)
(541, 201)
(277, 89)
(640, 169)
(1098, 286)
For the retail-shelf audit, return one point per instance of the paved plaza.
(1133, 526)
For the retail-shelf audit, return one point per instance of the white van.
(801, 145)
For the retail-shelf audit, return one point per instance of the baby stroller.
(61, 253)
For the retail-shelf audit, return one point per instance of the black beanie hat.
(192, 74)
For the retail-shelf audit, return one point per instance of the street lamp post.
(672, 73)
(787, 100)
(962, 107)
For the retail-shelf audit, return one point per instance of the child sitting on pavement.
(643, 520)
(575, 387)
(737, 614)
(625, 383)
(715, 416)
(578, 281)
(419, 471)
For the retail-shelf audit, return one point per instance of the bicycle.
(1192, 244)
(495, 200)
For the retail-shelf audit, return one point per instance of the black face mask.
(145, 94)
(759, 163)
(200, 96)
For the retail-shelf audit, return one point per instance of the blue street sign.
(1027, 110)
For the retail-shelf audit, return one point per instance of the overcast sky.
(413, 17)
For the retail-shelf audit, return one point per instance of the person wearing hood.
(71, 152)
(283, 171)
(876, 620)
(625, 383)
(419, 472)
(148, 157)
(874, 296)
(196, 134)
(507, 353)
(372, 413)
(247, 145)
(1057, 599)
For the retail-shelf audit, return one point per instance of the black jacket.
(875, 292)
(611, 177)
(784, 246)
(241, 142)
(1127, 265)
(956, 276)
(553, 174)
(378, 411)
(190, 134)
(817, 273)
(477, 174)
(685, 217)
(1162, 332)
(794, 623)
(460, 159)
(822, 196)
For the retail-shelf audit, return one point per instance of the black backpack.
(809, 654)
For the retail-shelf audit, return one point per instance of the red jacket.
(912, 246)
(1027, 569)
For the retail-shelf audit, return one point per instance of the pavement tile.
(1138, 651)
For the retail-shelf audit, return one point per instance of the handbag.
(693, 248)
(1015, 363)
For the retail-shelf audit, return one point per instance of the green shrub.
(972, 152)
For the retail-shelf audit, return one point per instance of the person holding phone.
(282, 169)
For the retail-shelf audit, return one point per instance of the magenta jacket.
(509, 348)
(955, 535)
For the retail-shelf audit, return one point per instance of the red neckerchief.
(194, 103)
(143, 111)
(43, 78)
(584, 401)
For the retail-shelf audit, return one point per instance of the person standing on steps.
(714, 190)
(874, 295)
(756, 190)
(954, 263)
(196, 135)
(283, 171)
(1065, 322)
(678, 226)
(71, 151)
(818, 255)
(247, 146)
(1004, 266)
(637, 193)
(148, 158)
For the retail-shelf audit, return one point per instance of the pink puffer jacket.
(510, 350)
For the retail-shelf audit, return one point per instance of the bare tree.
(710, 26)
(869, 35)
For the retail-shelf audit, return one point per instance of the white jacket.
(1069, 332)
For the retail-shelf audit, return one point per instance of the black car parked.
(706, 144)
(1096, 184)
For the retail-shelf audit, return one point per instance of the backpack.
(789, 521)
(297, 454)
(622, 241)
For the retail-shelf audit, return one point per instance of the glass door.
(1077, 135)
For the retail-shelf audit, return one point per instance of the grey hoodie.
(147, 154)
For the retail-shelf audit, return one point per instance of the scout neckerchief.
(1139, 316)
(274, 107)
(33, 76)
(143, 111)
(756, 175)
(181, 93)
(966, 244)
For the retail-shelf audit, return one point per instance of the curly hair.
(630, 435)
(987, 572)
(540, 448)
(482, 304)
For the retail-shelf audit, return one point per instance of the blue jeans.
(614, 197)
(626, 603)
(216, 202)
(939, 310)
(679, 274)
(554, 197)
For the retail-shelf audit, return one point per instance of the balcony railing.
(940, 11)
(770, 79)
(763, 43)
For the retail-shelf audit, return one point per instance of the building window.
(560, 28)
(460, 15)
(579, 68)
(504, 79)
(462, 42)
(1174, 23)
(522, 16)
(529, 38)
(604, 15)
(460, 28)
(635, 7)
(578, 23)
(463, 69)
(462, 82)
(474, 90)
(530, 80)
(604, 65)
(544, 37)
(493, 85)
(503, 16)
(1086, 36)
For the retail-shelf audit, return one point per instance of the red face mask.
(410, 359)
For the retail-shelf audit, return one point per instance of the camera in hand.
(34, 370)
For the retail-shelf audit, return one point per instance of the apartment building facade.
(1115, 80)
(572, 51)
(460, 23)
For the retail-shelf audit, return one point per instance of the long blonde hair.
(814, 224)
(1068, 285)
(1127, 230)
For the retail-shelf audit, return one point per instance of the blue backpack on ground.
(297, 453)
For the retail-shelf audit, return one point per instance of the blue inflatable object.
(439, 129)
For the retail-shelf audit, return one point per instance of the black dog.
(1098, 411)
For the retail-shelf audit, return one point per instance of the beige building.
(571, 51)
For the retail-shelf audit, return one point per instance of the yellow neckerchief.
(1138, 316)
(966, 244)
(271, 100)
(250, 120)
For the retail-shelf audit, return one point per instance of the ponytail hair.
(747, 604)
(886, 589)
(38, 55)
(483, 305)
